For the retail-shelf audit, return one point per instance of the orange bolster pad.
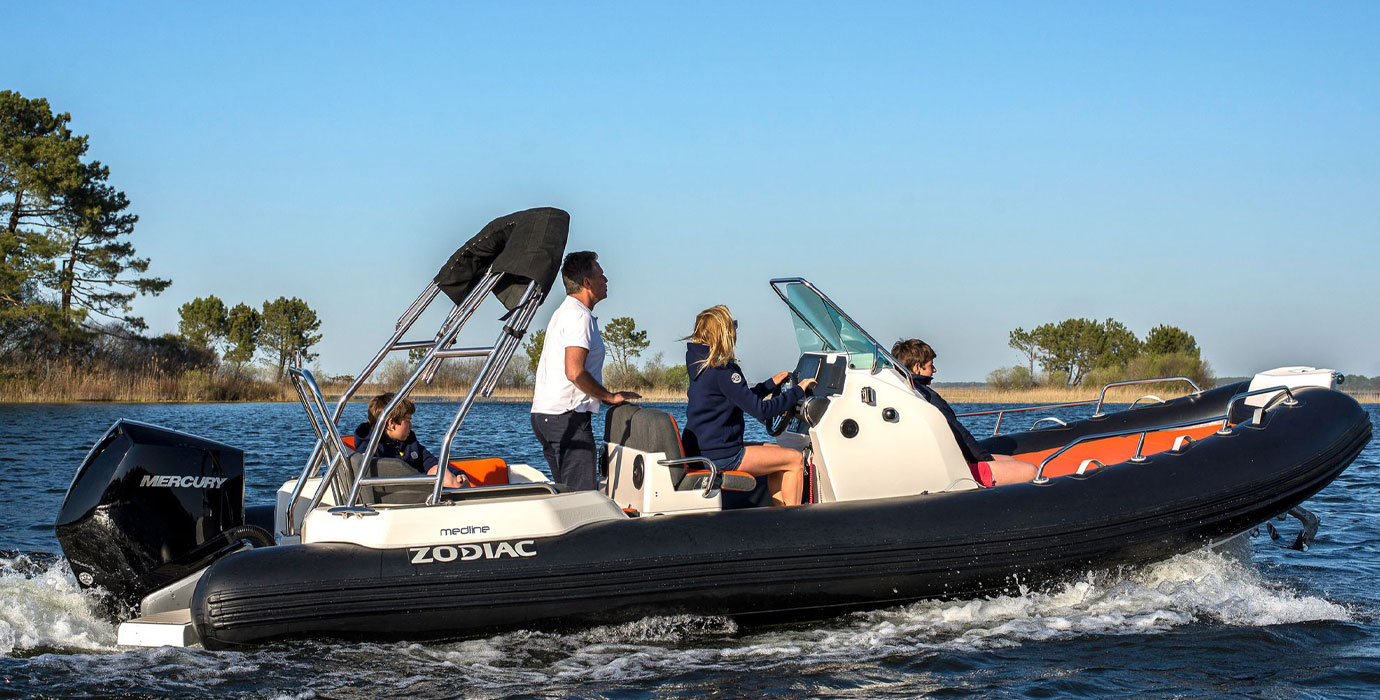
(349, 441)
(489, 471)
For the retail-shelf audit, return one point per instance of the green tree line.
(280, 331)
(1081, 351)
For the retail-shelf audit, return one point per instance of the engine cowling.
(149, 506)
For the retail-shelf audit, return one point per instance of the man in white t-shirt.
(570, 376)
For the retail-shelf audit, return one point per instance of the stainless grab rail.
(714, 471)
(396, 480)
(1287, 396)
(1131, 382)
(1040, 477)
(1097, 412)
(302, 380)
(1001, 413)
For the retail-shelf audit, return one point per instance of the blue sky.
(948, 171)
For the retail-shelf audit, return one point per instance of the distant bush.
(1009, 378)
(166, 354)
(1360, 382)
(1171, 365)
(1057, 378)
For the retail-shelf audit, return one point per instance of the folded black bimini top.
(526, 245)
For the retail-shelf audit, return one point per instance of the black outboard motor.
(149, 506)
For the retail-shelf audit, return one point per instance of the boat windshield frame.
(822, 326)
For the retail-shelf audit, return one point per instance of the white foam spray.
(1200, 587)
(42, 608)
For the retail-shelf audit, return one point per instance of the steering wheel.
(777, 424)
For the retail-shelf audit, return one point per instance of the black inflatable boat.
(364, 549)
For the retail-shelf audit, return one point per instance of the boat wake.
(42, 610)
(1203, 588)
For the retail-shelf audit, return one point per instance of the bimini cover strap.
(524, 246)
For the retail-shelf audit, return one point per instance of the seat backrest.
(617, 429)
(388, 466)
(345, 478)
(618, 423)
(645, 429)
(652, 430)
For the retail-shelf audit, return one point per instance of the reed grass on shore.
(66, 383)
(69, 383)
(1052, 395)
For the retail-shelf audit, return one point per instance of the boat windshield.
(821, 326)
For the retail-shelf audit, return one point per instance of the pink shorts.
(982, 473)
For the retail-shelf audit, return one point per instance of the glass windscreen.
(819, 327)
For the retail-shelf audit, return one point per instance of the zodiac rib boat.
(370, 549)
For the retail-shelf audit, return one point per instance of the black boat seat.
(651, 430)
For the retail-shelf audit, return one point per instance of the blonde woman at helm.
(719, 395)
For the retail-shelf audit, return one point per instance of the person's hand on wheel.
(807, 384)
(780, 377)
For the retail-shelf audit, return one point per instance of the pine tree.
(98, 271)
(203, 321)
(40, 162)
(289, 329)
(243, 325)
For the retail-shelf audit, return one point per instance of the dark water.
(1282, 625)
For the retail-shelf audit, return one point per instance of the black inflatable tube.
(802, 562)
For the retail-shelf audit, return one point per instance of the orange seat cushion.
(489, 471)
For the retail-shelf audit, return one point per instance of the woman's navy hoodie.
(717, 399)
(410, 451)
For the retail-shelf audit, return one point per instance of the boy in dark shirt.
(988, 469)
(399, 442)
